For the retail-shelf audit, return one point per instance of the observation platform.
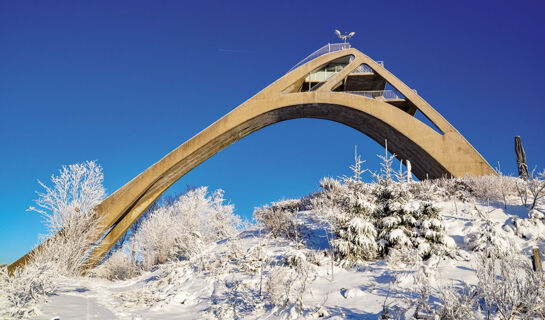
(363, 80)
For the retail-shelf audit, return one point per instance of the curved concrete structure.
(432, 154)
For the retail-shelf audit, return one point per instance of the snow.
(223, 281)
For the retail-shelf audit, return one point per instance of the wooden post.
(536, 260)
(521, 158)
(409, 173)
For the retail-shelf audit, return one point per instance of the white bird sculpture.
(345, 36)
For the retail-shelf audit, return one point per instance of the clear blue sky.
(125, 82)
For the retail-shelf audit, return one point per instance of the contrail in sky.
(233, 51)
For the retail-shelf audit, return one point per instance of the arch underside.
(432, 154)
(423, 165)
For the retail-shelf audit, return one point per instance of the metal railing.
(384, 94)
(330, 47)
(365, 69)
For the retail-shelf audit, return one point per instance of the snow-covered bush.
(287, 285)
(532, 227)
(330, 184)
(174, 230)
(178, 230)
(533, 187)
(119, 265)
(491, 239)
(21, 291)
(278, 219)
(404, 258)
(356, 240)
(236, 301)
(510, 288)
(295, 258)
(485, 188)
(449, 302)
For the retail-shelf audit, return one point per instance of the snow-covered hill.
(255, 276)
(392, 249)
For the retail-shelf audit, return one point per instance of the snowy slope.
(224, 280)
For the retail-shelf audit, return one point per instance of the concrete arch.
(432, 154)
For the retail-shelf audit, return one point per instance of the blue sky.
(125, 82)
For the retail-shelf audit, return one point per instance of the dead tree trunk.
(521, 158)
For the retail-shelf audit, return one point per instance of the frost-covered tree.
(178, 230)
(175, 230)
(356, 240)
(67, 207)
(375, 217)
(403, 221)
(491, 239)
(68, 211)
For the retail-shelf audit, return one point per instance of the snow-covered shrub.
(404, 258)
(491, 239)
(356, 240)
(533, 186)
(236, 301)
(119, 265)
(287, 285)
(295, 258)
(221, 223)
(21, 291)
(175, 230)
(532, 227)
(330, 184)
(429, 190)
(449, 302)
(277, 219)
(486, 188)
(178, 230)
(458, 303)
(510, 288)
(67, 208)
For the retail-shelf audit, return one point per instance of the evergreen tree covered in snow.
(491, 239)
(356, 234)
(403, 221)
(375, 217)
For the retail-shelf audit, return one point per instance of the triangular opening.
(389, 90)
(422, 117)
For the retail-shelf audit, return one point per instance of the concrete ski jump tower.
(336, 83)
